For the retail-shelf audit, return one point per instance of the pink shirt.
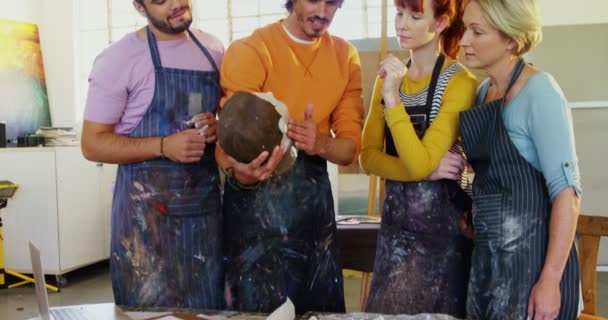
(121, 84)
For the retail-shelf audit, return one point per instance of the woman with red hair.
(423, 258)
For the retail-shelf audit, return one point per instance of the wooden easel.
(375, 182)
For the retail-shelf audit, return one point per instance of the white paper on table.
(286, 311)
(204, 316)
(137, 315)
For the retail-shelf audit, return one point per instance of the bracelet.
(162, 151)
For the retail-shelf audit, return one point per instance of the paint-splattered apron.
(281, 242)
(166, 216)
(511, 213)
(422, 259)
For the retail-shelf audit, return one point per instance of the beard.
(166, 26)
(312, 33)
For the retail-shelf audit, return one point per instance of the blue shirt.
(539, 122)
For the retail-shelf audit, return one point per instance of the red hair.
(453, 9)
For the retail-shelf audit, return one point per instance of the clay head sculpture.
(251, 123)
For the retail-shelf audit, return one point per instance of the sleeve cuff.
(570, 178)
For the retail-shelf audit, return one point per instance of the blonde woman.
(519, 140)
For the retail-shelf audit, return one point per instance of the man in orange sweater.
(280, 231)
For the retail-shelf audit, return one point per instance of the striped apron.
(166, 216)
(422, 258)
(511, 214)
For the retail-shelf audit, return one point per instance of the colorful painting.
(24, 104)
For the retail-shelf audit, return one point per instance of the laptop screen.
(41, 295)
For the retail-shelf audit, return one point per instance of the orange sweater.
(326, 73)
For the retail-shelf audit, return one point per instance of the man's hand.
(392, 70)
(306, 136)
(207, 125)
(544, 300)
(186, 146)
(450, 167)
(256, 170)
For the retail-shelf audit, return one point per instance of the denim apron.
(511, 216)
(166, 216)
(281, 242)
(422, 259)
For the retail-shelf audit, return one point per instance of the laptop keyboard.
(68, 314)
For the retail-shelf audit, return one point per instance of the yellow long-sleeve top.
(326, 73)
(418, 158)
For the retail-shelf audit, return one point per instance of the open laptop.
(46, 313)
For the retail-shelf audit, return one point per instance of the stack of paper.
(56, 136)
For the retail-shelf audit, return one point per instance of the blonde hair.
(517, 19)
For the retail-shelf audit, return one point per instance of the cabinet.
(63, 205)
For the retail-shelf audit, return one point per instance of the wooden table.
(358, 251)
(109, 311)
(358, 245)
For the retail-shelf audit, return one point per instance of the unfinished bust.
(251, 123)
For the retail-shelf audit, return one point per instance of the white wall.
(22, 10)
(568, 12)
(91, 39)
(57, 37)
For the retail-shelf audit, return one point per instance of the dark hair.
(140, 2)
(450, 37)
(289, 5)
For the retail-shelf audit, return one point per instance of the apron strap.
(430, 94)
(434, 78)
(153, 49)
(205, 51)
(156, 53)
(433, 86)
(516, 72)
